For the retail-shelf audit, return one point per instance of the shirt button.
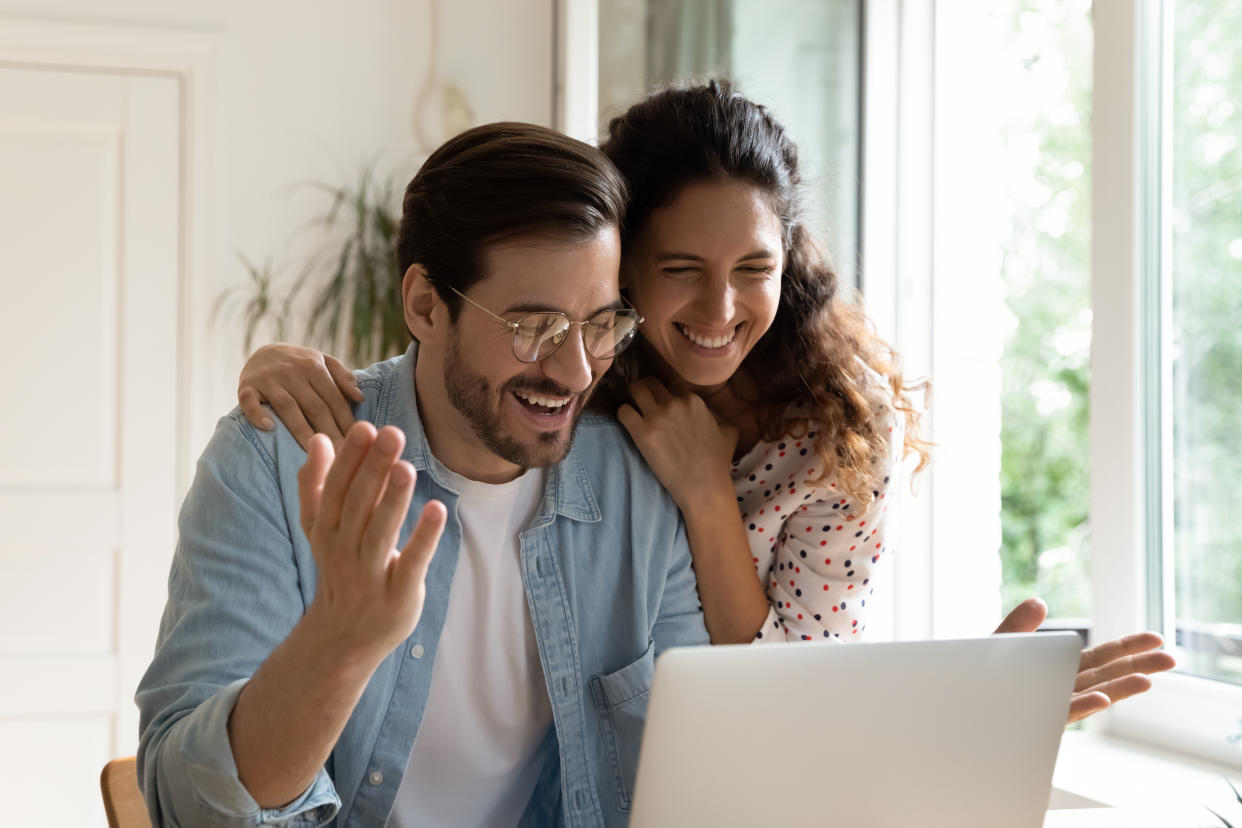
(375, 778)
(417, 651)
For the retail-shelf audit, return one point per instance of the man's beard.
(479, 403)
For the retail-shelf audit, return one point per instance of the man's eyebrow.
(534, 307)
(673, 255)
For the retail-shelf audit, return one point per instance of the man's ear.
(425, 315)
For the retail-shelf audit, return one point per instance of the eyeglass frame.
(516, 326)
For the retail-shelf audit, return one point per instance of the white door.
(89, 256)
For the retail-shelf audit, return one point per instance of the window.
(1201, 285)
(1166, 268)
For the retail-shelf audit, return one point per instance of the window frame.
(1130, 431)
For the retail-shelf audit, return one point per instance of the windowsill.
(1095, 770)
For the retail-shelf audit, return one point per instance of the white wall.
(312, 90)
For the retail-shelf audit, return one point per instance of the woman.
(762, 400)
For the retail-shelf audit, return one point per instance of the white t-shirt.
(474, 761)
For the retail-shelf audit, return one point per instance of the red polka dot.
(836, 609)
(807, 528)
(788, 605)
(799, 616)
(828, 561)
(877, 546)
(825, 587)
(798, 569)
(839, 528)
(823, 543)
(791, 583)
(776, 508)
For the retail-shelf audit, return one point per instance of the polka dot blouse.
(815, 548)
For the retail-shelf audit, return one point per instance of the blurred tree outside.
(1047, 282)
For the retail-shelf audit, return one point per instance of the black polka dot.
(803, 553)
(849, 564)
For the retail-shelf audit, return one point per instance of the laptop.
(958, 734)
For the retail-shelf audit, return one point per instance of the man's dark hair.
(496, 183)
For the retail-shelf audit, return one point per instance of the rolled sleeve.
(194, 773)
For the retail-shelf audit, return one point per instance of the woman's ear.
(425, 314)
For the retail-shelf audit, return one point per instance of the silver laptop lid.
(957, 733)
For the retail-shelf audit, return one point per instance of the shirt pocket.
(621, 706)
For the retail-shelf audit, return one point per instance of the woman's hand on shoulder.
(680, 438)
(306, 388)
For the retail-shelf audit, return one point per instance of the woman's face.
(706, 274)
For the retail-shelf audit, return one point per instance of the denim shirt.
(605, 569)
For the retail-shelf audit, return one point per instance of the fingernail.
(266, 424)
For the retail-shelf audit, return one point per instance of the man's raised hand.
(369, 595)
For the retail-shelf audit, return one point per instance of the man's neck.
(451, 439)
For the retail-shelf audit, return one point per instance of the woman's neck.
(732, 401)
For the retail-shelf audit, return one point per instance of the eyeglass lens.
(604, 335)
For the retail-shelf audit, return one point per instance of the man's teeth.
(707, 342)
(546, 402)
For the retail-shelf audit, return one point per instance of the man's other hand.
(1108, 672)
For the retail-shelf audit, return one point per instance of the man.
(493, 670)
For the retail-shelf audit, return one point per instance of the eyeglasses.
(537, 335)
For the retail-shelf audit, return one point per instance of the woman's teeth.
(707, 341)
(546, 402)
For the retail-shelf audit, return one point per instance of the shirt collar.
(568, 491)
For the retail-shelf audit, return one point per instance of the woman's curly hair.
(821, 356)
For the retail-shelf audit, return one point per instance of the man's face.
(524, 413)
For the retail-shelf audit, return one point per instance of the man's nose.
(570, 365)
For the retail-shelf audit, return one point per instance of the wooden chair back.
(122, 800)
